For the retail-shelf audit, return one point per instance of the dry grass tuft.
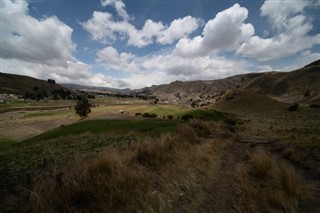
(273, 187)
(202, 129)
(186, 134)
(262, 165)
(291, 183)
(155, 175)
(109, 160)
(154, 153)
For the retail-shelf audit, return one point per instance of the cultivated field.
(24, 119)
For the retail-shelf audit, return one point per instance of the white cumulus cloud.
(164, 68)
(178, 28)
(225, 32)
(279, 11)
(111, 59)
(45, 41)
(292, 27)
(43, 48)
(118, 5)
(103, 27)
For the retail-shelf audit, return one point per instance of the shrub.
(153, 115)
(293, 107)
(186, 117)
(148, 115)
(138, 114)
(170, 117)
(51, 81)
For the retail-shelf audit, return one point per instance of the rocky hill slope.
(300, 85)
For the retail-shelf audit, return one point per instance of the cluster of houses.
(7, 98)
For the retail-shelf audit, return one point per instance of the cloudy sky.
(138, 43)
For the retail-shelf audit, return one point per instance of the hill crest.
(20, 85)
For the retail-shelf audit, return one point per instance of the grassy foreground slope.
(143, 147)
(292, 154)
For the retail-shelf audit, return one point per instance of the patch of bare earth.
(16, 127)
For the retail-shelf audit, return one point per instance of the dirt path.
(224, 193)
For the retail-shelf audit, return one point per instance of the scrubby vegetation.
(273, 186)
(145, 174)
(148, 115)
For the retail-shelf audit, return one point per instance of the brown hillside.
(300, 86)
(247, 102)
(179, 91)
(19, 84)
(290, 86)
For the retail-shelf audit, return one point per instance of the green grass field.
(104, 126)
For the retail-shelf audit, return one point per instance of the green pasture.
(117, 126)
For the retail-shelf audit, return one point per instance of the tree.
(51, 81)
(83, 107)
(156, 100)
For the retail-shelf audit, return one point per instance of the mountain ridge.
(288, 87)
(300, 85)
(21, 84)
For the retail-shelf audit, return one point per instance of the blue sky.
(136, 43)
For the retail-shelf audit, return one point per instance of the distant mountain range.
(96, 89)
(301, 85)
